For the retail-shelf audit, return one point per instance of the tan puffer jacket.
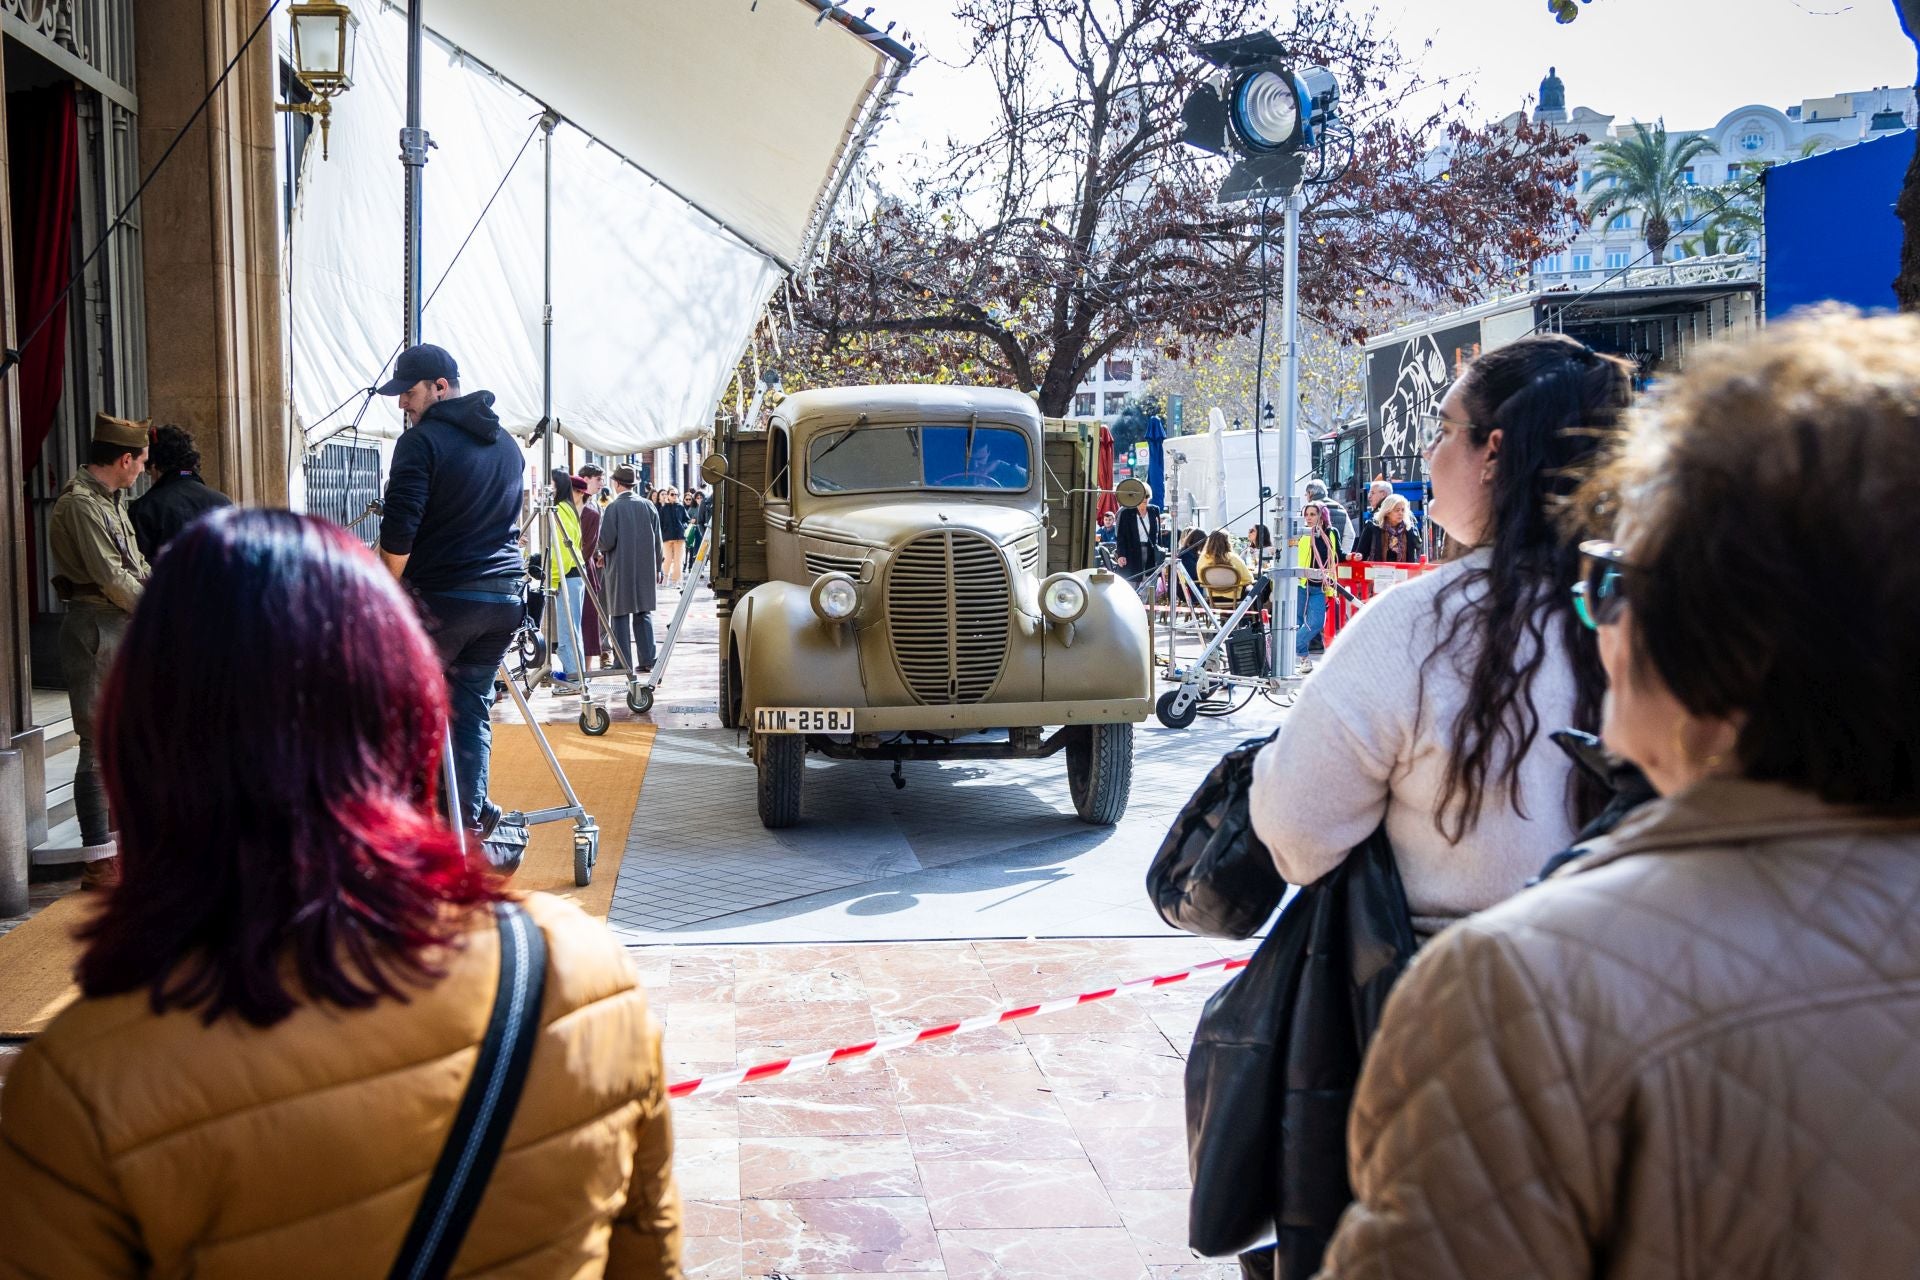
(139, 1145)
(1692, 1053)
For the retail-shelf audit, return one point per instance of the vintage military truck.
(903, 573)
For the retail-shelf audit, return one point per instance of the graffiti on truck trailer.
(1405, 383)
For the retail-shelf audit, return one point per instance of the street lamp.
(323, 45)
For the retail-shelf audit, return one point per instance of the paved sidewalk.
(972, 849)
(1049, 1149)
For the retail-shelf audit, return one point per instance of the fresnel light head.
(1270, 118)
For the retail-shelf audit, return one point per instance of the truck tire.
(729, 686)
(1100, 771)
(781, 761)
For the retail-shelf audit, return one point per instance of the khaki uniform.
(99, 571)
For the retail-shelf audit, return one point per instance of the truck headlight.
(834, 597)
(1063, 598)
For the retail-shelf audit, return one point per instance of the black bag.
(1211, 876)
(486, 1108)
(1247, 648)
(1271, 1074)
(506, 845)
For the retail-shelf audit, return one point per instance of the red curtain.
(1103, 475)
(43, 145)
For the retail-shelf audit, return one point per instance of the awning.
(663, 260)
(741, 106)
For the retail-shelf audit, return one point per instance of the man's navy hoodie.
(453, 499)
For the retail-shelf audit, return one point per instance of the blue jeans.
(1313, 616)
(570, 633)
(471, 632)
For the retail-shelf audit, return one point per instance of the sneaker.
(567, 688)
(1302, 667)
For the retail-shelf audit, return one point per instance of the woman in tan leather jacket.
(282, 1000)
(1691, 1052)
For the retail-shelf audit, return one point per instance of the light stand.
(1271, 119)
(1289, 515)
(414, 143)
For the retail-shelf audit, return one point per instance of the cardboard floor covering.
(37, 959)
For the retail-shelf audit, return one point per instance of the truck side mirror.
(1131, 492)
(714, 469)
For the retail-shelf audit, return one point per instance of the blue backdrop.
(1830, 229)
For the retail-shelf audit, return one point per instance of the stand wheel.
(595, 720)
(533, 647)
(1164, 712)
(639, 699)
(781, 759)
(586, 852)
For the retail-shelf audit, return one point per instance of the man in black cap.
(450, 530)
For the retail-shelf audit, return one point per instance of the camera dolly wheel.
(533, 647)
(639, 699)
(595, 720)
(586, 852)
(1171, 711)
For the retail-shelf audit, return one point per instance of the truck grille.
(819, 562)
(947, 611)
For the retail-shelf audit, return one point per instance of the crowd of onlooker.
(1661, 1021)
(1135, 541)
(614, 546)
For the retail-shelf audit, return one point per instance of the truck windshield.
(939, 456)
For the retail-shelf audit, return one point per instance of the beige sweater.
(1365, 741)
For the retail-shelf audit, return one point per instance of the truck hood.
(891, 524)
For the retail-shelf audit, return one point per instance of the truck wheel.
(781, 760)
(729, 687)
(1100, 772)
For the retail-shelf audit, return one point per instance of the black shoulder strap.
(480, 1125)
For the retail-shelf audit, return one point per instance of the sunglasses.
(1601, 592)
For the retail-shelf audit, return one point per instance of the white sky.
(1691, 61)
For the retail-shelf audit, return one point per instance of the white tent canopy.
(743, 108)
(659, 274)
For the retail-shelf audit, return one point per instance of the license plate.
(803, 720)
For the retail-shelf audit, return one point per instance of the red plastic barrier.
(1361, 579)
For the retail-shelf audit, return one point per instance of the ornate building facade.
(1745, 140)
(174, 309)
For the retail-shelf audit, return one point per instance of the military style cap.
(108, 429)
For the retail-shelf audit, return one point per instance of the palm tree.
(1731, 225)
(1645, 173)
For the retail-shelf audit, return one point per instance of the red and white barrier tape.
(700, 1085)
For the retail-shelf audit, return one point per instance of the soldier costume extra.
(99, 572)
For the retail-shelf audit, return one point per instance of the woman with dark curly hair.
(1690, 1050)
(283, 1002)
(1431, 710)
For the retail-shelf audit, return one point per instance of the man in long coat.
(631, 548)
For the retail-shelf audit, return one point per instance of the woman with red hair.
(285, 999)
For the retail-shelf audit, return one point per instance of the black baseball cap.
(424, 363)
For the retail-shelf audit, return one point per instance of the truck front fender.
(788, 657)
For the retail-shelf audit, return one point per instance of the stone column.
(210, 237)
(23, 806)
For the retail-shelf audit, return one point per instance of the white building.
(1122, 376)
(1745, 140)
